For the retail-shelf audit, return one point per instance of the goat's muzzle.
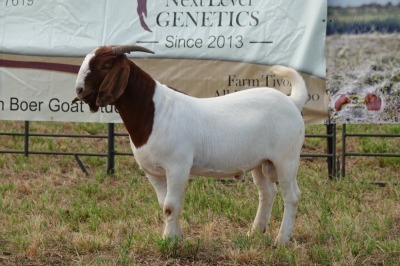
(90, 100)
(76, 100)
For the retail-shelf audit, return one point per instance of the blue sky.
(360, 2)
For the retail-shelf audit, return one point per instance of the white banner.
(42, 44)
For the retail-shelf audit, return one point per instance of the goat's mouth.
(88, 99)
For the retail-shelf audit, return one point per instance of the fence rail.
(345, 153)
(333, 163)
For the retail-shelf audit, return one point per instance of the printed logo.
(142, 13)
(371, 101)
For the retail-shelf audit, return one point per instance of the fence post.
(344, 135)
(111, 149)
(331, 147)
(26, 139)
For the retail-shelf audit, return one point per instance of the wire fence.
(345, 153)
(336, 162)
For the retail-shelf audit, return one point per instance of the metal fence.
(345, 153)
(336, 167)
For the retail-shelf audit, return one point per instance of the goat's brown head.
(104, 75)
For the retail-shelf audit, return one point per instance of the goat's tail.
(299, 93)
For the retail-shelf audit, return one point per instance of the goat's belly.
(223, 170)
(216, 173)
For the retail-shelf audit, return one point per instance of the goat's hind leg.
(264, 178)
(291, 195)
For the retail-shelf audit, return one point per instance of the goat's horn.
(122, 49)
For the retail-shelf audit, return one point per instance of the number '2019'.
(19, 2)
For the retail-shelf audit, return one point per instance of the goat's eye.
(106, 68)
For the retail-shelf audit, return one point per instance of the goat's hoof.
(178, 236)
(173, 237)
(281, 241)
(256, 230)
(173, 242)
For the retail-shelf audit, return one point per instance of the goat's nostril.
(79, 90)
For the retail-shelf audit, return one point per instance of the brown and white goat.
(174, 135)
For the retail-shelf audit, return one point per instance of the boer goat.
(174, 135)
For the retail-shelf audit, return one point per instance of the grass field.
(364, 19)
(53, 214)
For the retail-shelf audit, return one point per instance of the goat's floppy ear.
(114, 84)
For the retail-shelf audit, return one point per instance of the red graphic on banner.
(142, 13)
(372, 101)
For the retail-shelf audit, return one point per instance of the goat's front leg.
(177, 181)
(160, 186)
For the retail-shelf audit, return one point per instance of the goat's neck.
(136, 106)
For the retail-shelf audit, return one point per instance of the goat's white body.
(223, 136)
(259, 130)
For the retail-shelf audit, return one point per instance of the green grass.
(53, 214)
(364, 14)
